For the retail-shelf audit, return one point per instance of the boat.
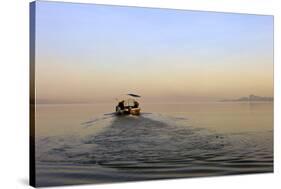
(128, 105)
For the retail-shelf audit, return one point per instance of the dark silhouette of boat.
(128, 105)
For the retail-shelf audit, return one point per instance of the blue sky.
(112, 40)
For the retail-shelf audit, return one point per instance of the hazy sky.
(93, 53)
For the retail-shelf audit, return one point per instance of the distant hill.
(250, 98)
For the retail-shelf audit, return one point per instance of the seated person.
(136, 104)
(121, 105)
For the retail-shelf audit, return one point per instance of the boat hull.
(130, 111)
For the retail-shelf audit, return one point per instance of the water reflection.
(156, 145)
(150, 146)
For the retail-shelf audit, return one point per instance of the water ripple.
(152, 146)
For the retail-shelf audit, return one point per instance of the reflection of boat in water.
(128, 105)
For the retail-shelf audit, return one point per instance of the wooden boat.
(128, 105)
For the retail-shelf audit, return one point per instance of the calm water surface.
(78, 144)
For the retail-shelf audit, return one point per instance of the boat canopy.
(134, 95)
(127, 97)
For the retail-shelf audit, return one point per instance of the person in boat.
(136, 104)
(121, 105)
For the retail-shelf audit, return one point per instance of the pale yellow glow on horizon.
(185, 81)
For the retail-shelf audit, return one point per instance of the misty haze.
(199, 87)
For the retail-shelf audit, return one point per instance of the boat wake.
(155, 146)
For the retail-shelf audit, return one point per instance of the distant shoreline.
(144, 103)
(250, 98)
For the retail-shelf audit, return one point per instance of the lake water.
(78, 144)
